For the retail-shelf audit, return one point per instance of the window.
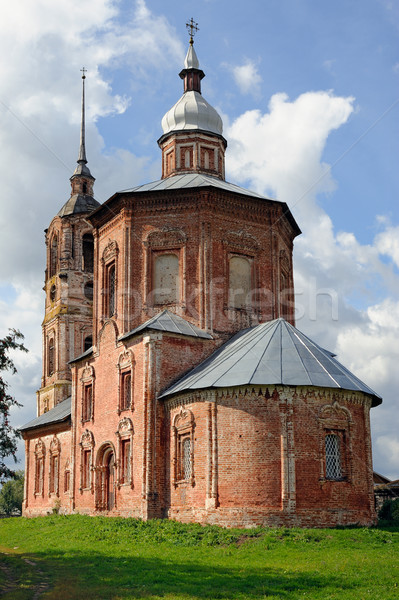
(184, 457)
(183, 433)
(88, 252)
(86, 460)
(53, 484)
(166, 280)
(39, 474)
(88, 342)
(125, 436)
(126, 461)
(53, 256)
(111, 290)
(87, 409)
(88, 290)
(333, 456)
(39, 467)
(126, 391)
(239, 281)
(50, 357)
(67, 481)
(53, 290)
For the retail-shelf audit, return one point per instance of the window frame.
(183, 430)
(125, 435)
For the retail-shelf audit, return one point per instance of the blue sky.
(308, 92)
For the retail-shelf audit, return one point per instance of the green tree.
(8, 435)
(12, 494)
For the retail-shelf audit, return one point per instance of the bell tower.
(67, 325)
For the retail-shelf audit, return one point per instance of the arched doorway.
(105, 488)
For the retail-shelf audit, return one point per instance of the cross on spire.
(192, 28)
(84, 70)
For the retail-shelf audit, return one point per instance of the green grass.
(94, 558)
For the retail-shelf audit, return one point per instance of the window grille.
(186, 471)
(333, 457)
(87, 403)
(111, 291)
(126, 391)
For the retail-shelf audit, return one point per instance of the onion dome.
(192, 111)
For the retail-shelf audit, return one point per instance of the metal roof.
(87, 352)
(168, 321)
(78, 203)
(58, 414)
(273, 353)
(192, 180)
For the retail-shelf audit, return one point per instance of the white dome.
(192, 111)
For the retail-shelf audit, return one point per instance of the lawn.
(95, 558)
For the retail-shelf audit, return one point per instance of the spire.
(82, 169)
(82, 181)
(82, 149)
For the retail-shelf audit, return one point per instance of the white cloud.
(247, 78)
(345, 293)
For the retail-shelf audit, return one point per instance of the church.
(175, 383)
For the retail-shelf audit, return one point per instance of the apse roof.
(168, 321)
(78, 203)
(273, 353)
(58, 414)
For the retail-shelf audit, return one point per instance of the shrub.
(12, 495)
(389, 511)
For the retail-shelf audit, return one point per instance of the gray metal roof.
(78, 203)
(58, 414)
(168, 321)
(192, 180)
(273, 353)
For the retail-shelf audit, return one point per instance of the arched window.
(166, 281)
(88, 252)
(240, 284)
(50, 356)
(53, 256)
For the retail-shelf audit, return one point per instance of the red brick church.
(174, 382)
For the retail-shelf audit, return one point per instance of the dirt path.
(13, 582)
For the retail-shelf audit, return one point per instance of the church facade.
(175, 384)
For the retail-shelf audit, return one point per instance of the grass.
(93, 558)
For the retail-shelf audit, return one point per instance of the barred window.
(333, 456)
(126, 391)
(111, 291)
(184, 457)
(67, 481)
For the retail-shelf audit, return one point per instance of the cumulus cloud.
(346, 291)
(46, 44)
(247, 78)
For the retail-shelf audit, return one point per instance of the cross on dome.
(192, 28)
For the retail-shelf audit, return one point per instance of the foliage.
(8, 434)
(12, 494)
(87, 558)
(389, 511)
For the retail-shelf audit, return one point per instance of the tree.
(8, 435)
(12, 494)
